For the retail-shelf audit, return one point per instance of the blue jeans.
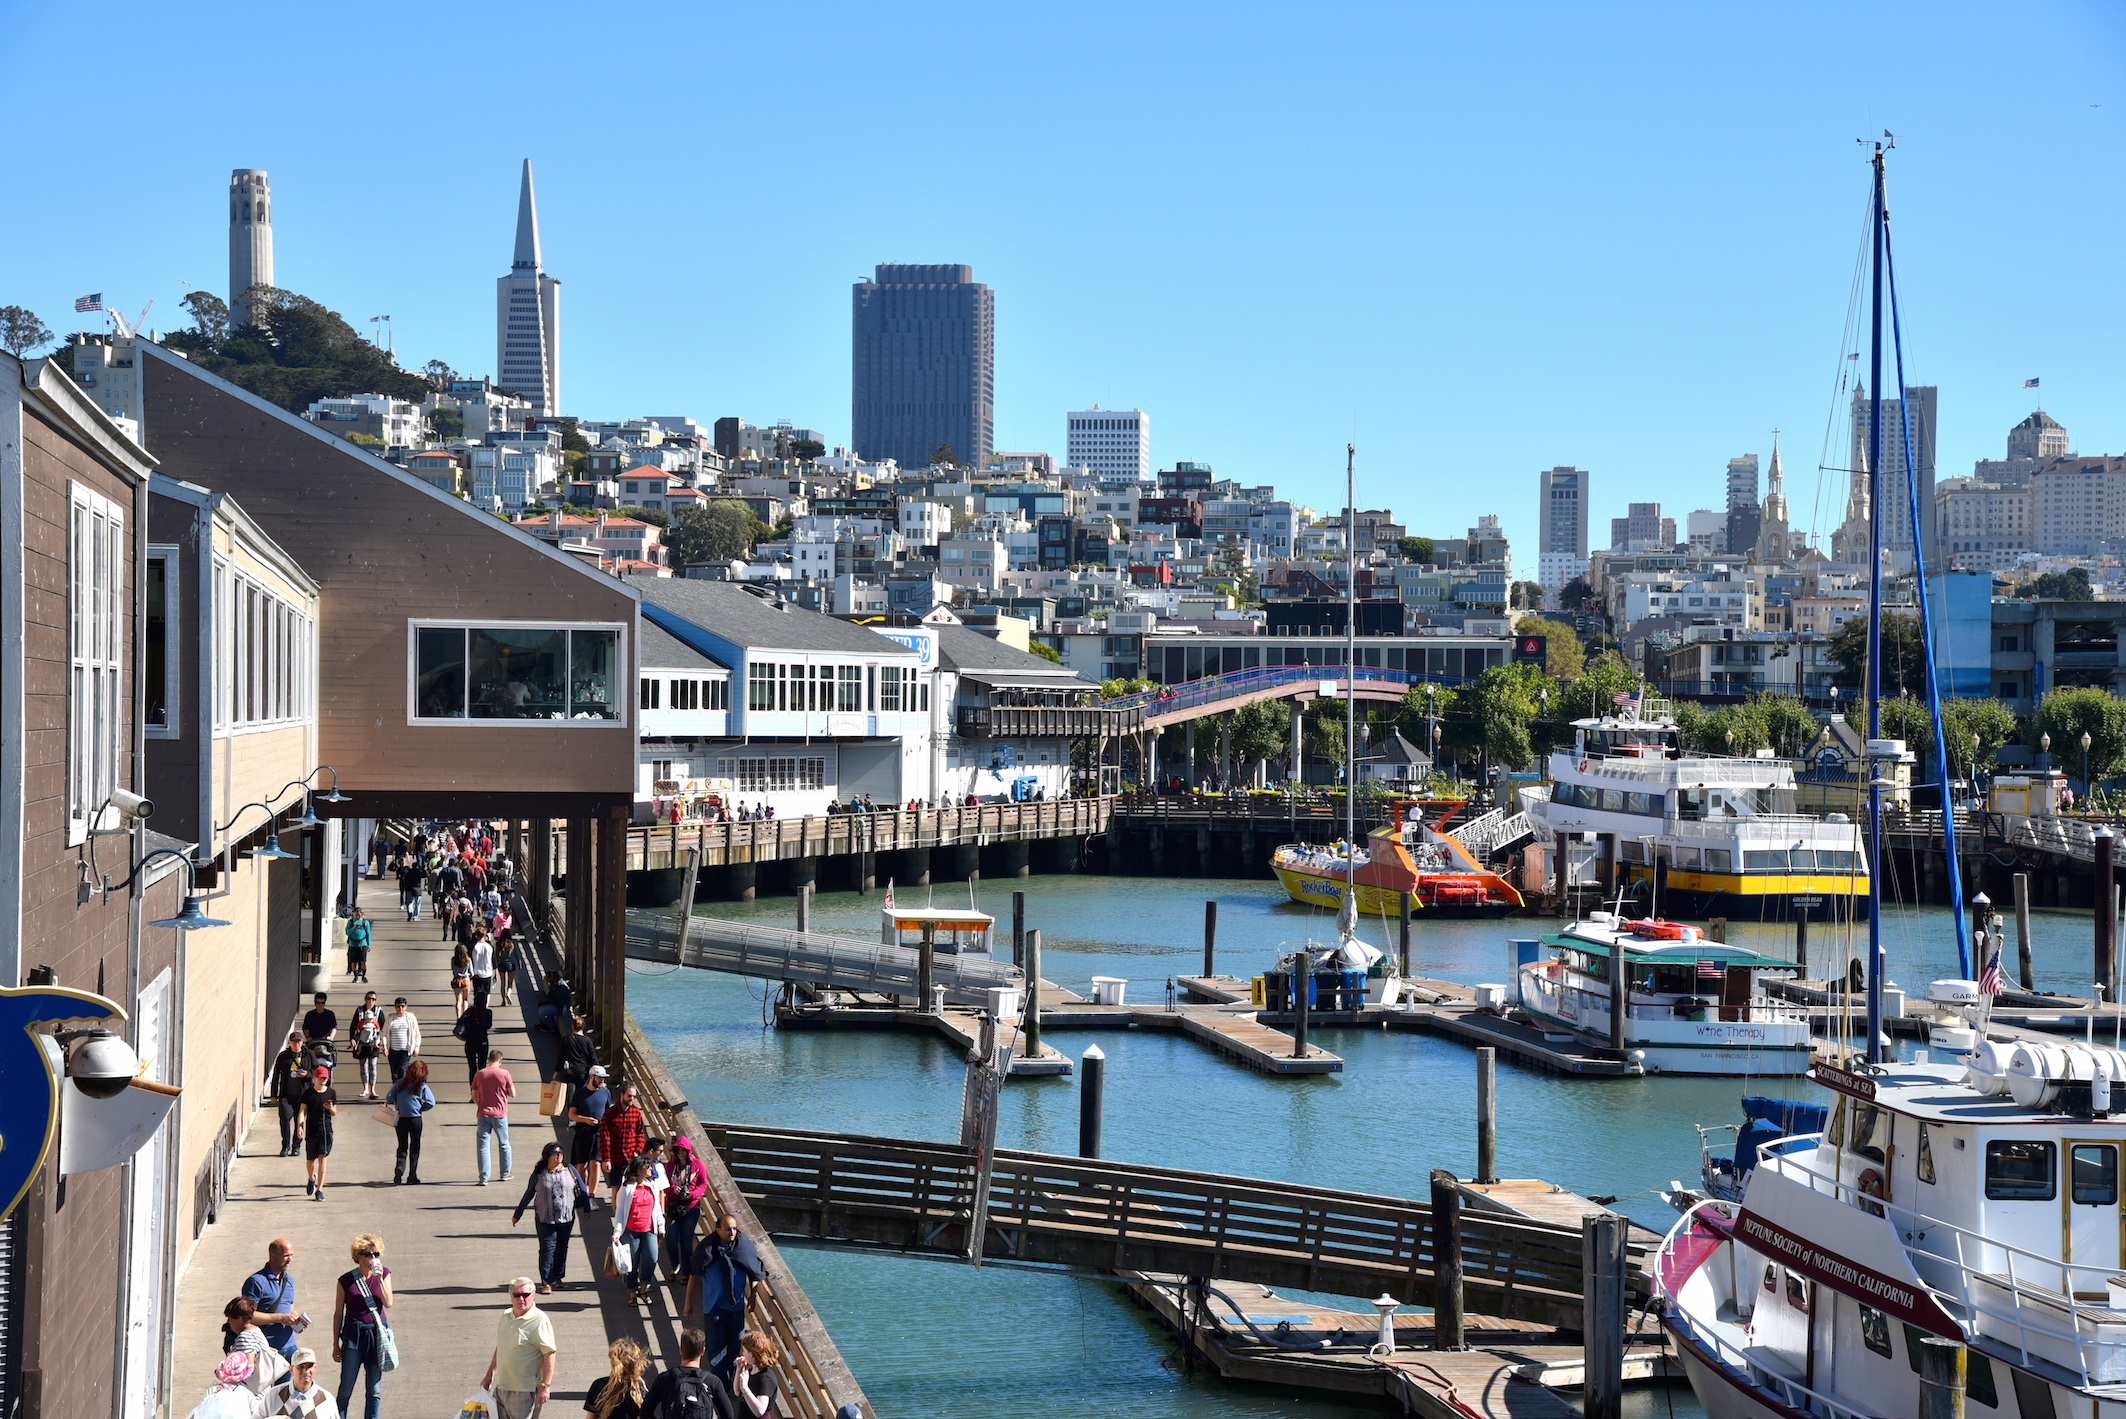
(679, 1239)
(642, 1259)
(553, 1251)
(489, 1126)
(399, 1060)
(358, 1352)
(723, 1329)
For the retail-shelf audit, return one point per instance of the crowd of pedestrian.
(654, 1192)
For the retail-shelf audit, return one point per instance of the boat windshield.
(1638, 741)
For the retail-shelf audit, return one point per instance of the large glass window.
(516, 672)
(2019, 1170)
(159, 672)
(849, 688)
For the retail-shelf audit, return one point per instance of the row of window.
(686, 694)
(516, 672)
(265, 654)
(846, 689)
(773, 775)
(96, 561)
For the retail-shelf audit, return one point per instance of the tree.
(294, 353)
(1904, 655)
(446, 421)
(1501, 709)
(2070, 712)
(1122, 686)
(21, 331)
(356, 436)
(1562, 659)
(1576, 595)
(1325, 730)
(1233, 569)
(723, 531)
(1599, 682)
(805, 450)
(1261, 731)
(944, 456)
(2069, 585)
(1525, 596)
(1046, 651)
(1415, 549)
(210, 315)
(440, 376)
(1789, 727)
(1989, 721)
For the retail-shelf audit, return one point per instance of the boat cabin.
(1671, 968)
(1612, 738)
(955, 933)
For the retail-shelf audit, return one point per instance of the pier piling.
(1602, 1268)
(1402, 929)
(2022, 931)
(804, 907)
(1487, 1114)
(926, 967)
(1018, 930)
(2104, 900)
(1302, 987)
(1941, 1378)
(1092, 1087)
(1447, 1261)
(1031, 1033)
(1210, 938)
(1801, 939)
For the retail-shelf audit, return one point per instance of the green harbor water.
(934, 1339)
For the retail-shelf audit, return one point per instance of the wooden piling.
(1210, 938)
(1092, 1088)
(2104, 898)
(926, 967)
(1302, 987)
(1402, 928)
(1801, 940)
(2022, 931)
(1619, 996)
(1018, 930)
(1941, 1378)
(1602, 1259)
(1487, 1114)
(1030, 1032)
(804, 907)
(1447, 1262)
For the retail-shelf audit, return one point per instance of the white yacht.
(1708, 836)
(1693, 1006)
(1975, 1202)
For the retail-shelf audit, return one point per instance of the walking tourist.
(691, 1391)
(726, 1268)
(357, 946)
(320, 1106)
(551, 1195)
(753, 1381)
(402, 1037)
(411, 876)
(620, 1392)
(483, 963)
(360, 1313)
(320, 1027)
(689, 1183)
(366, 1032)
(638, 1225)
(285, 1083)
(492, 1089)
(271, 1289)
(412, 1097)
(460, 978)
(622, 1133)
(300, 1394)
(474, 1025)
(520, 1373)
(586, 1111)
(505, 962)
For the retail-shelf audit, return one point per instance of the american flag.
(889, 894)
(2029, 384)
(1989, 980)
(1711, 970)
(1624, 697)
(88, 303)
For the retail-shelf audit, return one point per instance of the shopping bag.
(386, 1114)
(479, 1406)
(616, 1259)
(553, 1095)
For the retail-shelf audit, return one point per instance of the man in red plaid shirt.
(621, 1135)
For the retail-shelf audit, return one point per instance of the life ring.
(1873, 1185)
(1583, 766)
(1653, 930)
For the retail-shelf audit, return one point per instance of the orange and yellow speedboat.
(1413, 853)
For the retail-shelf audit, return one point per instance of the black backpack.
(693, 1396)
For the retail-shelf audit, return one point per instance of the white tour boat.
(1693, 1006)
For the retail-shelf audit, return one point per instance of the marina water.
(933, 1339)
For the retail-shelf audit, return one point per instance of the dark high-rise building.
(923, 365)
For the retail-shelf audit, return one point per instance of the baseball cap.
(302, 1357)
(598, 1072)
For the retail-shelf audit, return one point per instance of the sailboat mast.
(1878, 217)
(1351, 678)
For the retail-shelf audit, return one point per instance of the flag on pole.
(1624, 697)
(2029, 384)
(1711, 970)
(889, 894)
(1989, 980)
(88, 303)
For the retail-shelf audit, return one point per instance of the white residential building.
(1114, 443)
(924, 524)
(398, 423)
(1637, 595)
(1983, 526)
(1707, 531)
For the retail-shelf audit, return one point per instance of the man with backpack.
(691, 1391)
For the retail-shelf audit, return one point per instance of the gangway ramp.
(838, 962)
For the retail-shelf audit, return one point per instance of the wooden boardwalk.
(665, 846)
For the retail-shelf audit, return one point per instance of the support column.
(611, 944)
(539, 872)
(915, 867)
(320, 899)
(334, 873)
(967, 862)
(515, 844)
(1295, 747)
(804, 872)
(582, 896)
(1188, 751)
(741, 881)
(1018, 859)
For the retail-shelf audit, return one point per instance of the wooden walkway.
(892, 830)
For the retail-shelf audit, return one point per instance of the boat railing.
(1706, 772)
(1725, 828)
(2016, 1297)
(1788, 1391)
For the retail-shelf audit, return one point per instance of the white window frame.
(623, 702)
(265, 655)
(173, 638)
(95, 712)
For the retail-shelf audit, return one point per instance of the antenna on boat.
(1350, 686)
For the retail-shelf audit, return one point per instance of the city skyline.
(1147, 314)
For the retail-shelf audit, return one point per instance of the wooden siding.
(387, 550)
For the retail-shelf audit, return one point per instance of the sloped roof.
(755, 619)
(987, 659)
(659, 649)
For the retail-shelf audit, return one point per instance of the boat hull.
(1710, 1047)
(1320, 890)
(1723, 1393)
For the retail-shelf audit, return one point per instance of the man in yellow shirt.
(520, 1374)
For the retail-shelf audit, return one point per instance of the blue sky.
(1476, 240)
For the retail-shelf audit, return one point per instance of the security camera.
(101, 1064)
(132, 805)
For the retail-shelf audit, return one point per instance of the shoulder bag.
(387, 1344)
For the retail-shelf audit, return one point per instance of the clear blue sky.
(1477, 240)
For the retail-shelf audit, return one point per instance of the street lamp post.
(2085, 763)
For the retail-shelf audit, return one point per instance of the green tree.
(1415, 549)
(2070, 712)
(365, 440)
(655, 517)
(210, 316)
(721, 532)
(1261, 731)
(805, 450)
(1122, 686)
(1904, 655)
(439, 375)
(1989, 721)
(1576, 595)
(1231, 568)
(944, 456)
(1600, 681)
(1525, 596)
(1325, 730)
(2069, 585)
(1562, 659)
(446, 421)
(1501, 709)
(295, 353)
(1046, 651)
(21, 331)
(1789, 727)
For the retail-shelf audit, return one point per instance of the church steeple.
(1773, 538)
(527, 227)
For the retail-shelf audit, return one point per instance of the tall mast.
(1878, 217)
(1351, 681)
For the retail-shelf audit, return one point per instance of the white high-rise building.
(1561, 553)
(250, 238)
(528, 316)
(1114, 443)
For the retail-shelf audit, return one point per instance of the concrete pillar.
(915, 867)
(1188, 754)
(1158, 852)
(1296, 745)
(966, 862)
(336, 879)
(515, 846)
(539, 872)
(1225, 753)
(1018, 859)
(741, 881)
(804, 872)
(1151, 763)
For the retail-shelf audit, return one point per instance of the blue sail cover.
(1770, 1120)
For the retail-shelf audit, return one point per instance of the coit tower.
(250, 238)
(528, 315)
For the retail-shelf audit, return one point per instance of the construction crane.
(130, 328)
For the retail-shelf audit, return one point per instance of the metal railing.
(1169, 701)
(773, 953)
(887, 829)
(2066, 836)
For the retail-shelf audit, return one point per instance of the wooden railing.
(915, 1197)
(888, 830)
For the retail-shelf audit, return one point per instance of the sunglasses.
(369, 1253)
(520, 1295)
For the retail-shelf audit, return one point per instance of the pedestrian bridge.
(1216, 694)
(917, 1198)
